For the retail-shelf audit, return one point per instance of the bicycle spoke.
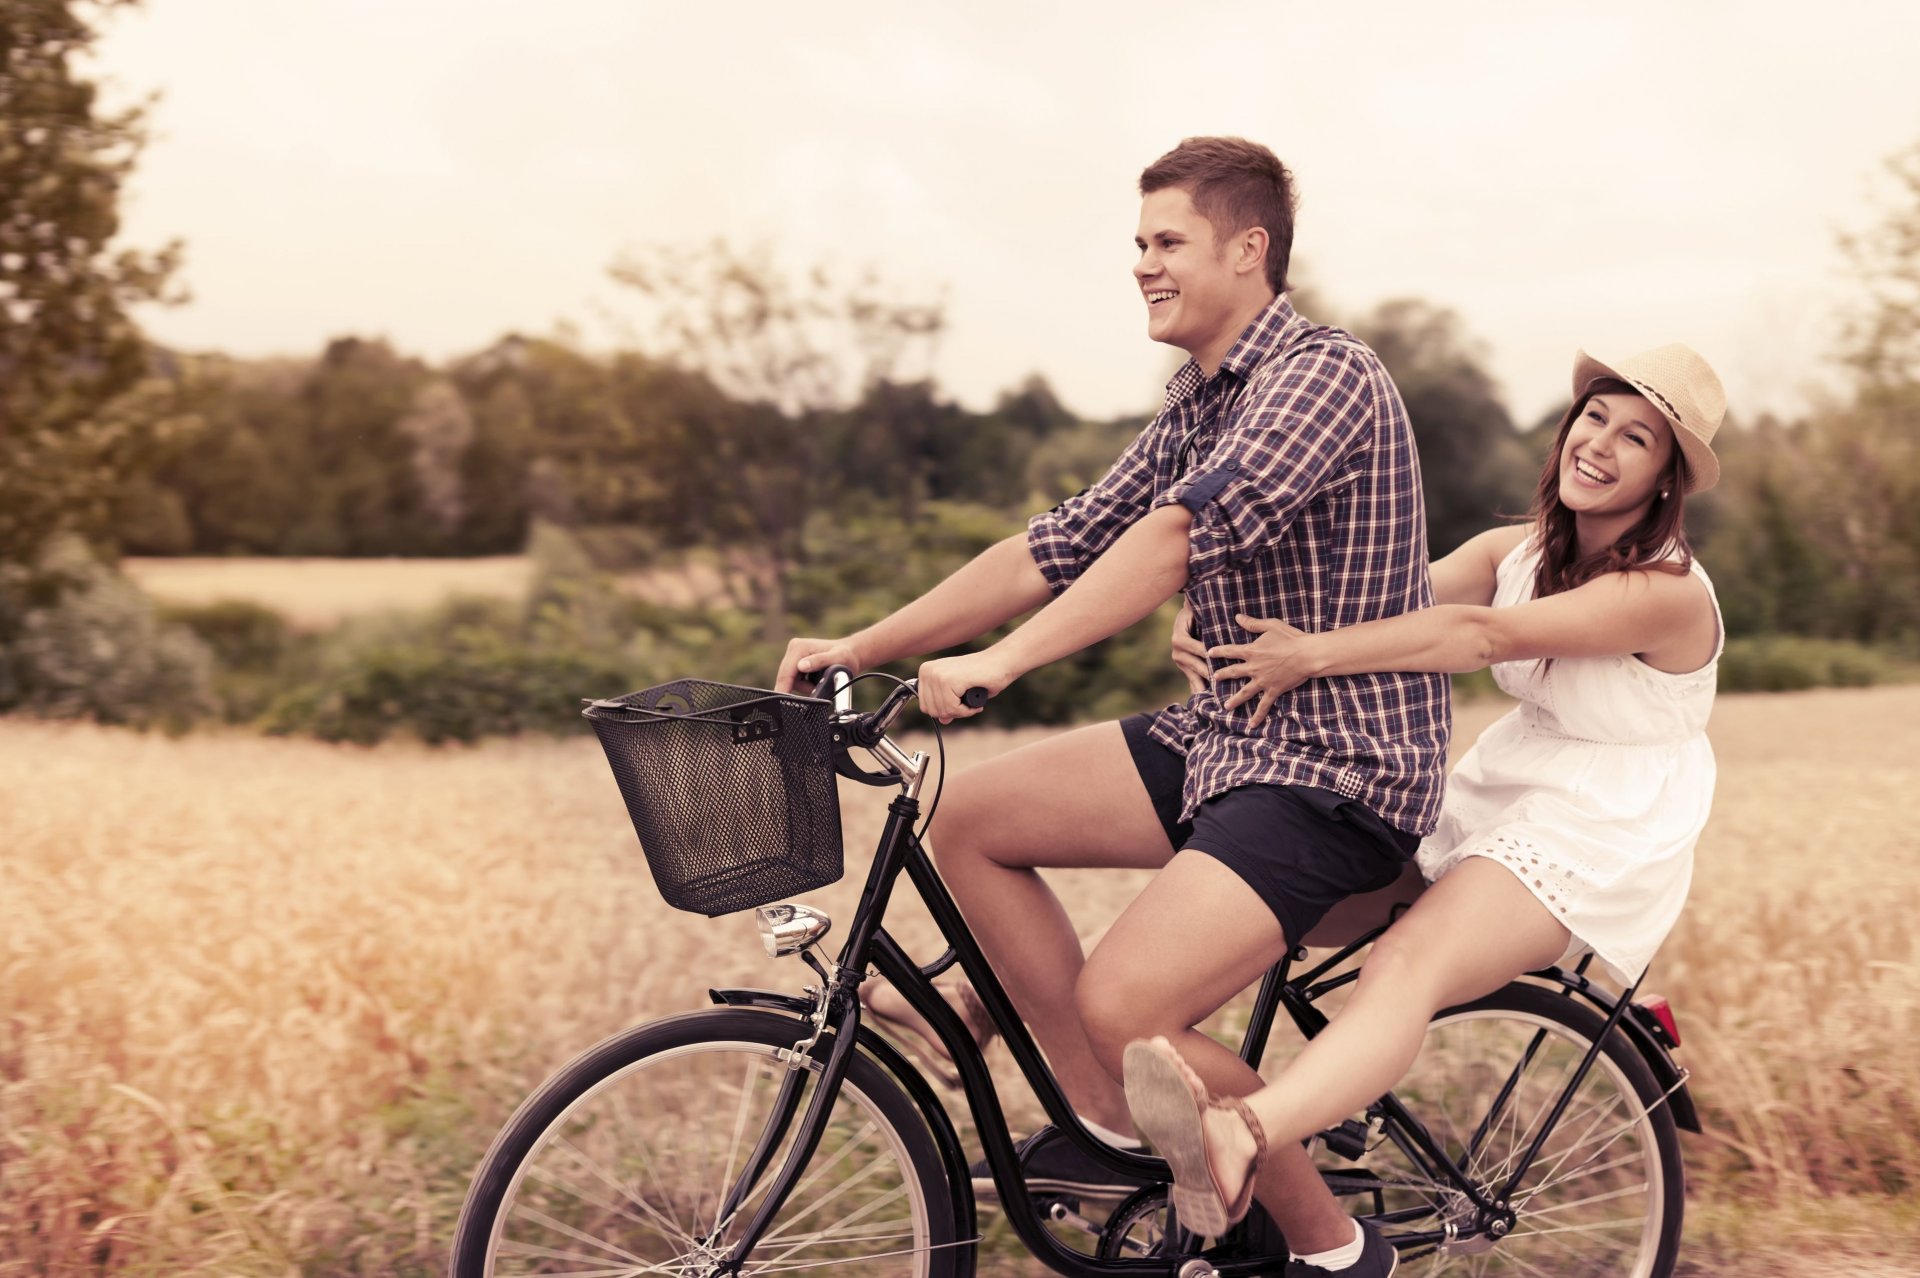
(838, 1190)
(549, 1253)
(624, 1179)
(561, 1227)
(1584, 1170)
(816, 1264)
(1583, 1138)
(636, 1131)
(733, 1144)
(540, 1176)
(1525, 1264)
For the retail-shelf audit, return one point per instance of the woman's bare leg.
(1075, 800)
(1471, 933)
(1195, 938)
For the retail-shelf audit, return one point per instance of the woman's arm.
(1620, 613)
(1468, 575)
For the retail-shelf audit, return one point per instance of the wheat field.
(316, 593)
(267, 1000)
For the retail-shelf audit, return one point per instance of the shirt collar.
(1258, 341)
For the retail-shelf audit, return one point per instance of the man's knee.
(964, 820)
(1112, 1012)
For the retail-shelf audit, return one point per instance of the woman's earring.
(1665, 493)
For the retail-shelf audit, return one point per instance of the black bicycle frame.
(869, 944)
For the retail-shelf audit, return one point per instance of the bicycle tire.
(604, 1165)
(1606, 1194)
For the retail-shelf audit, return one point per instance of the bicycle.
(1536, 1134)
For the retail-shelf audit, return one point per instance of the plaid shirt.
(1298, 464)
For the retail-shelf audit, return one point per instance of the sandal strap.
(1240, 1107)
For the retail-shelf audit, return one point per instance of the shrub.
(79, 641)
(241, 635)
(478, 682)
(256, 654)
(1789, 663)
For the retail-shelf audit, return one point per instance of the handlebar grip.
(974, 698)
(831, 681)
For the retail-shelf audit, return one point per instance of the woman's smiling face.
(1616, 455)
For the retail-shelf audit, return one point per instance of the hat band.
(1666, 405)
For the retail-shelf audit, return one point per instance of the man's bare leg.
(1075, 800)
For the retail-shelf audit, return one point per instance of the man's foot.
(1055, 1166)
(1378, 1259)
(1214, 1145)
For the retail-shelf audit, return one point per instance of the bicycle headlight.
(789, 928)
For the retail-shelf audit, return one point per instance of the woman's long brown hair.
(1651, 543)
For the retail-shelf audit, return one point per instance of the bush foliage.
(77, 640)
(1789, 663)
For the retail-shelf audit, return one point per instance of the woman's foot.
(890, 1008)
(1214, 1146)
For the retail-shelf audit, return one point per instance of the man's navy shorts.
(1301, 848)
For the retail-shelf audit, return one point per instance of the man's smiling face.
(1189, 286)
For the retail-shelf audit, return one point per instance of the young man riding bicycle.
(1279, 480)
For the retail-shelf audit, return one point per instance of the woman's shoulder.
(1500, 547)
(1506, 539)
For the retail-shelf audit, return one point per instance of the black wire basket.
(731, 790)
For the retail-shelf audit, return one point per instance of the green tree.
(1473, 463)
(69, 351)
(1883, 340)
(791, 351)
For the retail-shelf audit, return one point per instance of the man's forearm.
(999, 583)
(1139, 572)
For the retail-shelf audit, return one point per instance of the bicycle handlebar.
(867, 729)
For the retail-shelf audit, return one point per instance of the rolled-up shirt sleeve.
(1064, 540)
(1292, 439)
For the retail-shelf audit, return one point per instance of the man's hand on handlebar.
(807, 657)
(945, 682)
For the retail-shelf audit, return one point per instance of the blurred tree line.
(780, 423)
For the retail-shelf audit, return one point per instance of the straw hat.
(1678, 382)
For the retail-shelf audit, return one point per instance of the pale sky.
(441, 172)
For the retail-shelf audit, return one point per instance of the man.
(1279, 480)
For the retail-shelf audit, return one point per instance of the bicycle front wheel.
(621, 1163)
(1604, 1196)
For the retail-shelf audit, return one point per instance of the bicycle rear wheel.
(1604, 1197)
(619, 1164)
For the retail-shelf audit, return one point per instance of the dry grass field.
(313, 594)
(265, 1001)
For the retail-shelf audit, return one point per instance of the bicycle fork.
(839, 1004)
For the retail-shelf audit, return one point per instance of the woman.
(1569, 826)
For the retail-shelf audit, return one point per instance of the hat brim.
(1703, 468)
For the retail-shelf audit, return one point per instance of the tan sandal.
(916, 1037)
(1169, 1107)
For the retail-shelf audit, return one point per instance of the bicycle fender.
(1665, 1071)
(1670, 1076)
(889, 1057)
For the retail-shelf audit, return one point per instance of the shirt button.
(1233, 463)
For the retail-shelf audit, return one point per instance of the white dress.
(1594, 789)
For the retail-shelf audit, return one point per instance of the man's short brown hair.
(1234, 184)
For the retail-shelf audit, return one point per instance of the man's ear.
(1253, 251)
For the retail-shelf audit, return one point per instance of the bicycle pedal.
(1061, 1211)
(1348, 1140)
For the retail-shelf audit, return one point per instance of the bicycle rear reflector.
(731, 790)
(1656, 1006)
